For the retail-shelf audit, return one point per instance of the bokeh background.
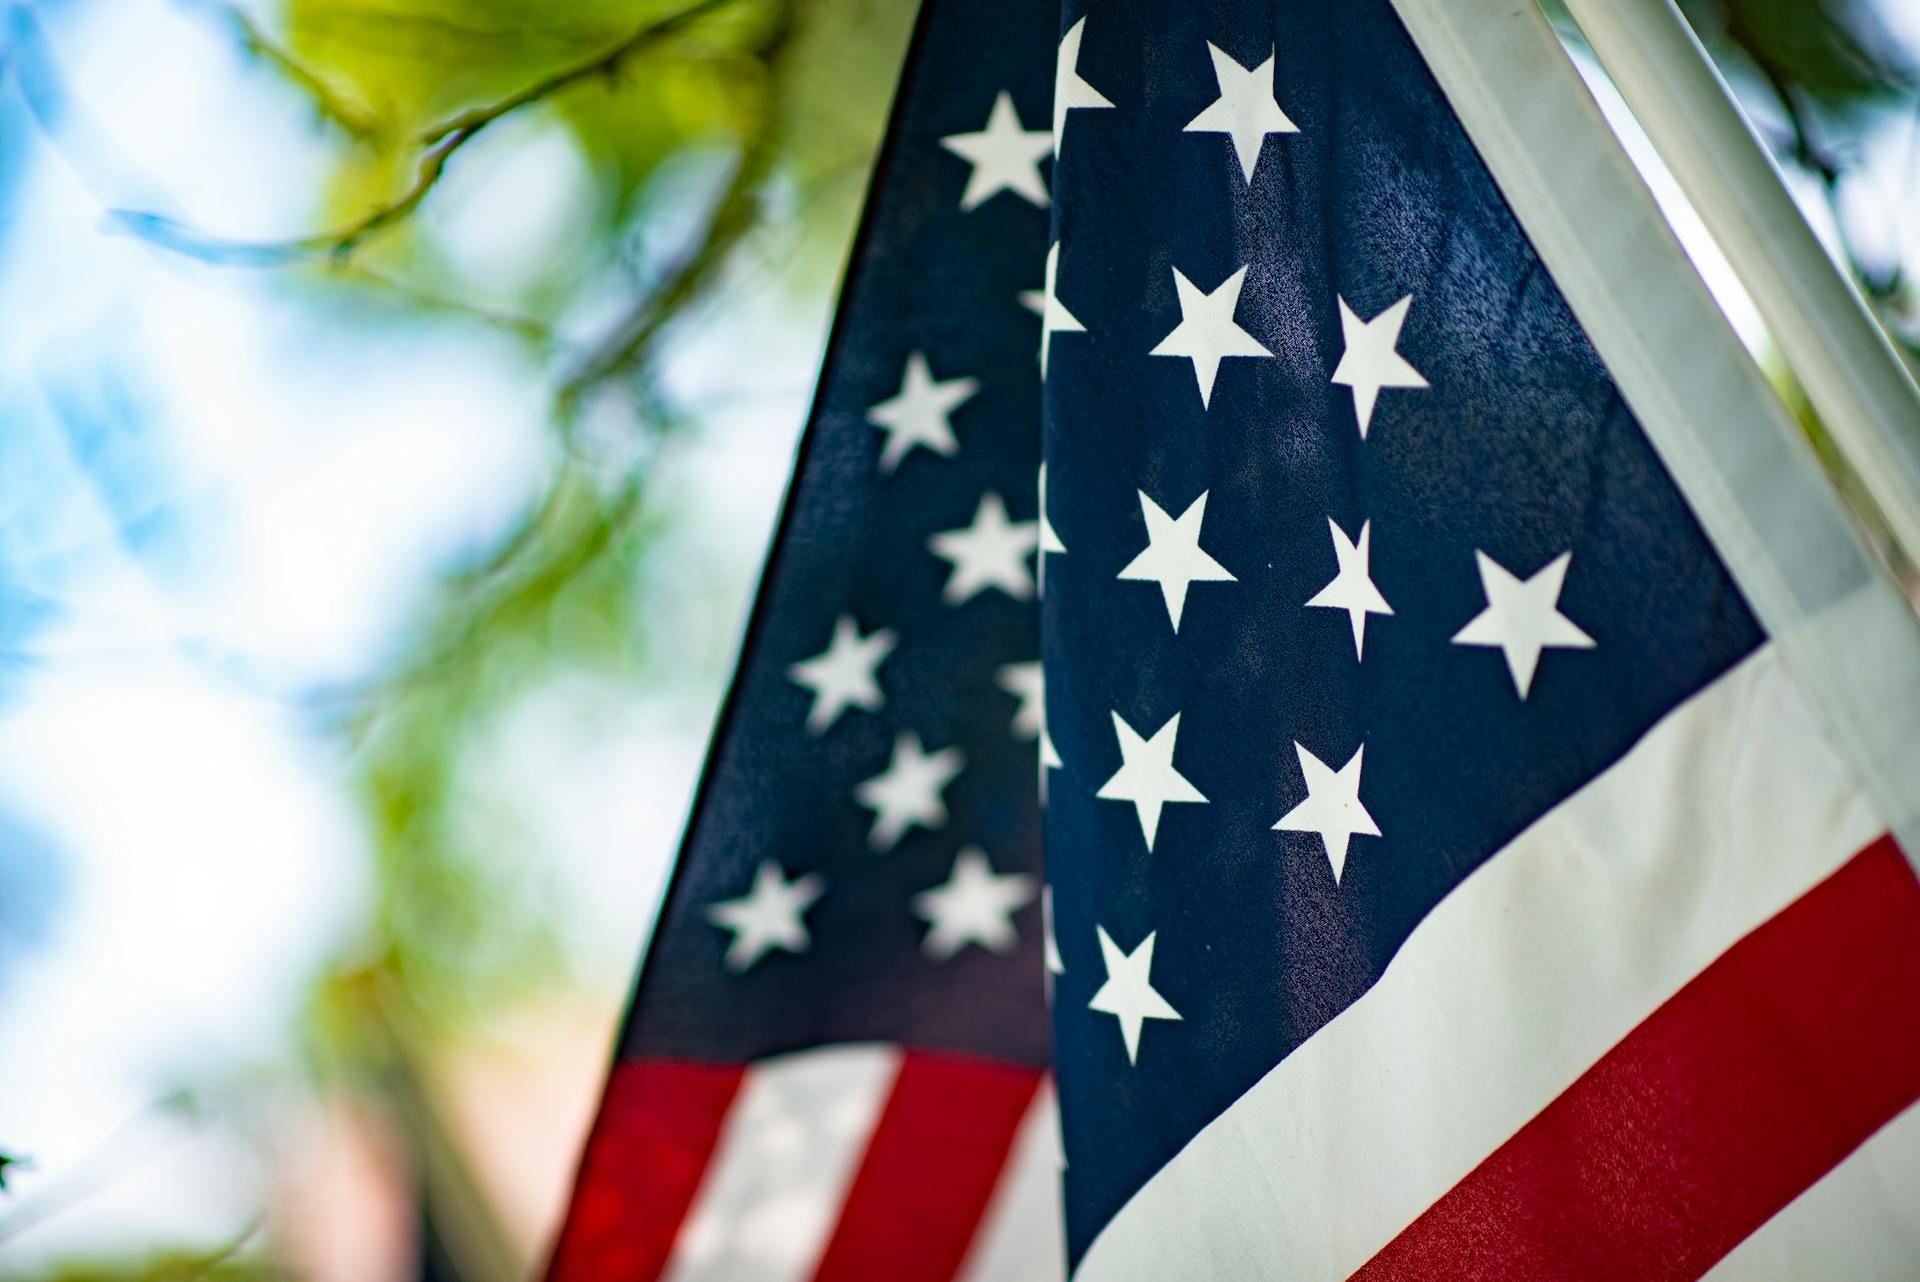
(395, 399)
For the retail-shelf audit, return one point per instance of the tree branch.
(628, 341)
(474, 119)
(533, 331)
(735, 214)
(441, 141)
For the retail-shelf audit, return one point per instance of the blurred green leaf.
(1837, 54)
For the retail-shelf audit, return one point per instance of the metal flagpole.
(1855, 380)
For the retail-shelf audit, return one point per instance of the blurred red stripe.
(929, 1171)
(657, 1128)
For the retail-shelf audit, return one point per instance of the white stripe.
(1724, 813)
(1021, 1236)
(1857, 1223)
(786, 1157)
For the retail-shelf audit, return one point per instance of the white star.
(1207, 332)
(975, 905)
(1049, 541)
(1004, 156)
(1332, 807)
(1352, 588)
(908, 791)
(1128, 995)
(1050, 947)
(990, 553)
(918, 415)
(1370, 362)
(1173, 558)
(1146, 776)
(1069, 90)
(1027, 683)
(1245, 110)
(842, 676)
(768, 916)
(1523, 617)
(1045, 303)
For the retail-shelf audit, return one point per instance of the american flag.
(1448, 873)
(836, 1052)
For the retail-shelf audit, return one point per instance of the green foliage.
(633, 87)
(409, 63)
(230, 1262)
(796, 92)
(1834, 53)
(172, 1266)
(460, 921)
(783, 101)
(1829, 66)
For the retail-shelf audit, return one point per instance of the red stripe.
(657, 1127)
(1729, 1101)
(930, 1168)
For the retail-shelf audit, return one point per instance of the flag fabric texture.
(1232, 474)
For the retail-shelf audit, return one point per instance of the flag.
(1476, 751)
(833, 1065)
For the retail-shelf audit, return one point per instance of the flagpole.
(1855, 380)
